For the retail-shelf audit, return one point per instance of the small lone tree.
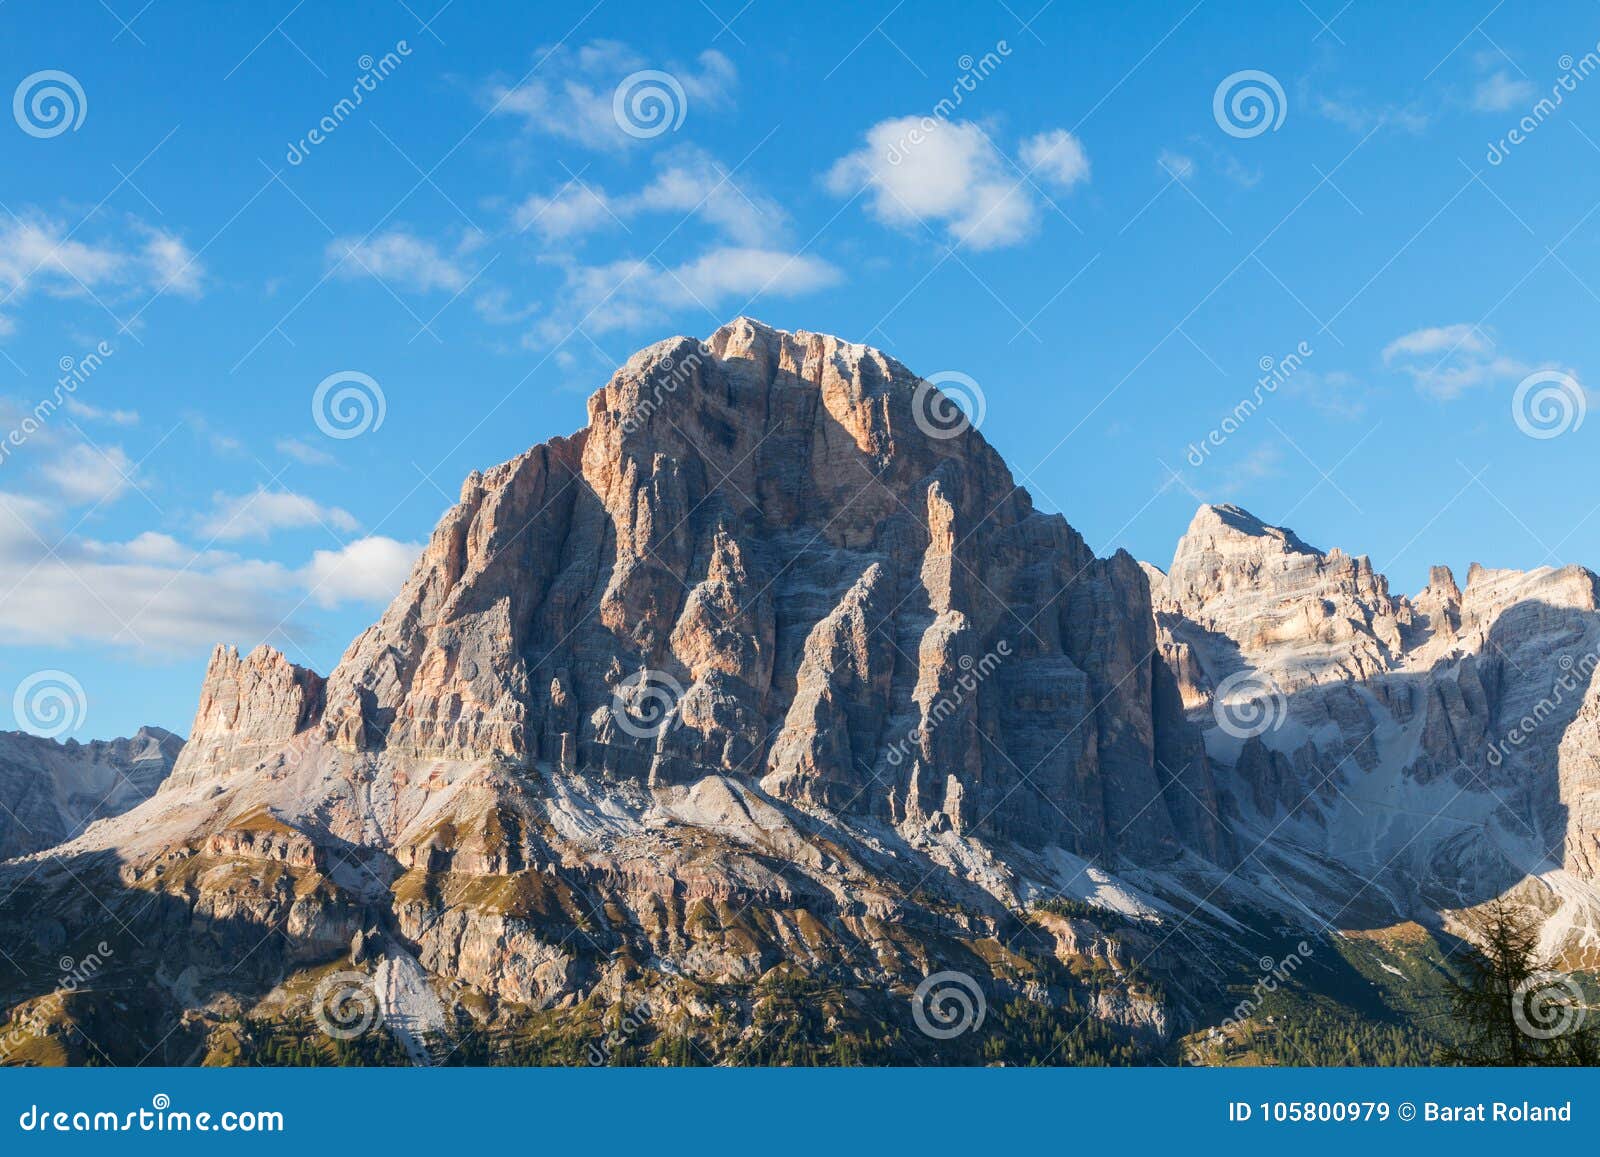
(1511, 1007)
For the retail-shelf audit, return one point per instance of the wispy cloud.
(1360, 116)
(400, 258)
(39, 254)
(1447, 361)
(303, 453)
(688, 182)
(84, 474)
(570, 96)
(262, 512)
(1056, 158)
(88, 413)
(1177, 165)
(635, 293)
(1501, 91)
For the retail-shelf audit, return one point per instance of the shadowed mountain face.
(49, 791)
(772, 676)
(1442, 747)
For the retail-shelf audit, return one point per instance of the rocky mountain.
(1402, 754)
(769, 704)
(50, 791)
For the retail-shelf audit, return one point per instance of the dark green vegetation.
(1511, 1006)
(1068, 985)
(792, 1021)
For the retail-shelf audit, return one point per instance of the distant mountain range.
(765, 720)
(50, 792)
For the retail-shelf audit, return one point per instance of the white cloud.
(398, 257)
(96, 414)
(23, 521)
(300, 452)
(1056, 157)
(572, 210)
(691, 181)
(1361, 118)
(38, 253)
(152, 547)
(86, 474)
(262, 511)
(1175, 165)
(687, 181)
(41, 255)
(1448, 360)
(1436, 339)
(148, 594)
(916, 170)
(131, 603)
(155, 595)
(1501, 92)
(634, 294)
(570, 94)
(170, 263)
(369, 570)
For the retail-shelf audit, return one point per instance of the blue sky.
(1094, 234)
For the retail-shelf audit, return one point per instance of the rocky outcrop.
(1311, 616)
(249, 706)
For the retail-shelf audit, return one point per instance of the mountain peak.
(1235, 522)
(767, 526)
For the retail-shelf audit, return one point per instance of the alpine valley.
(765, 720)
